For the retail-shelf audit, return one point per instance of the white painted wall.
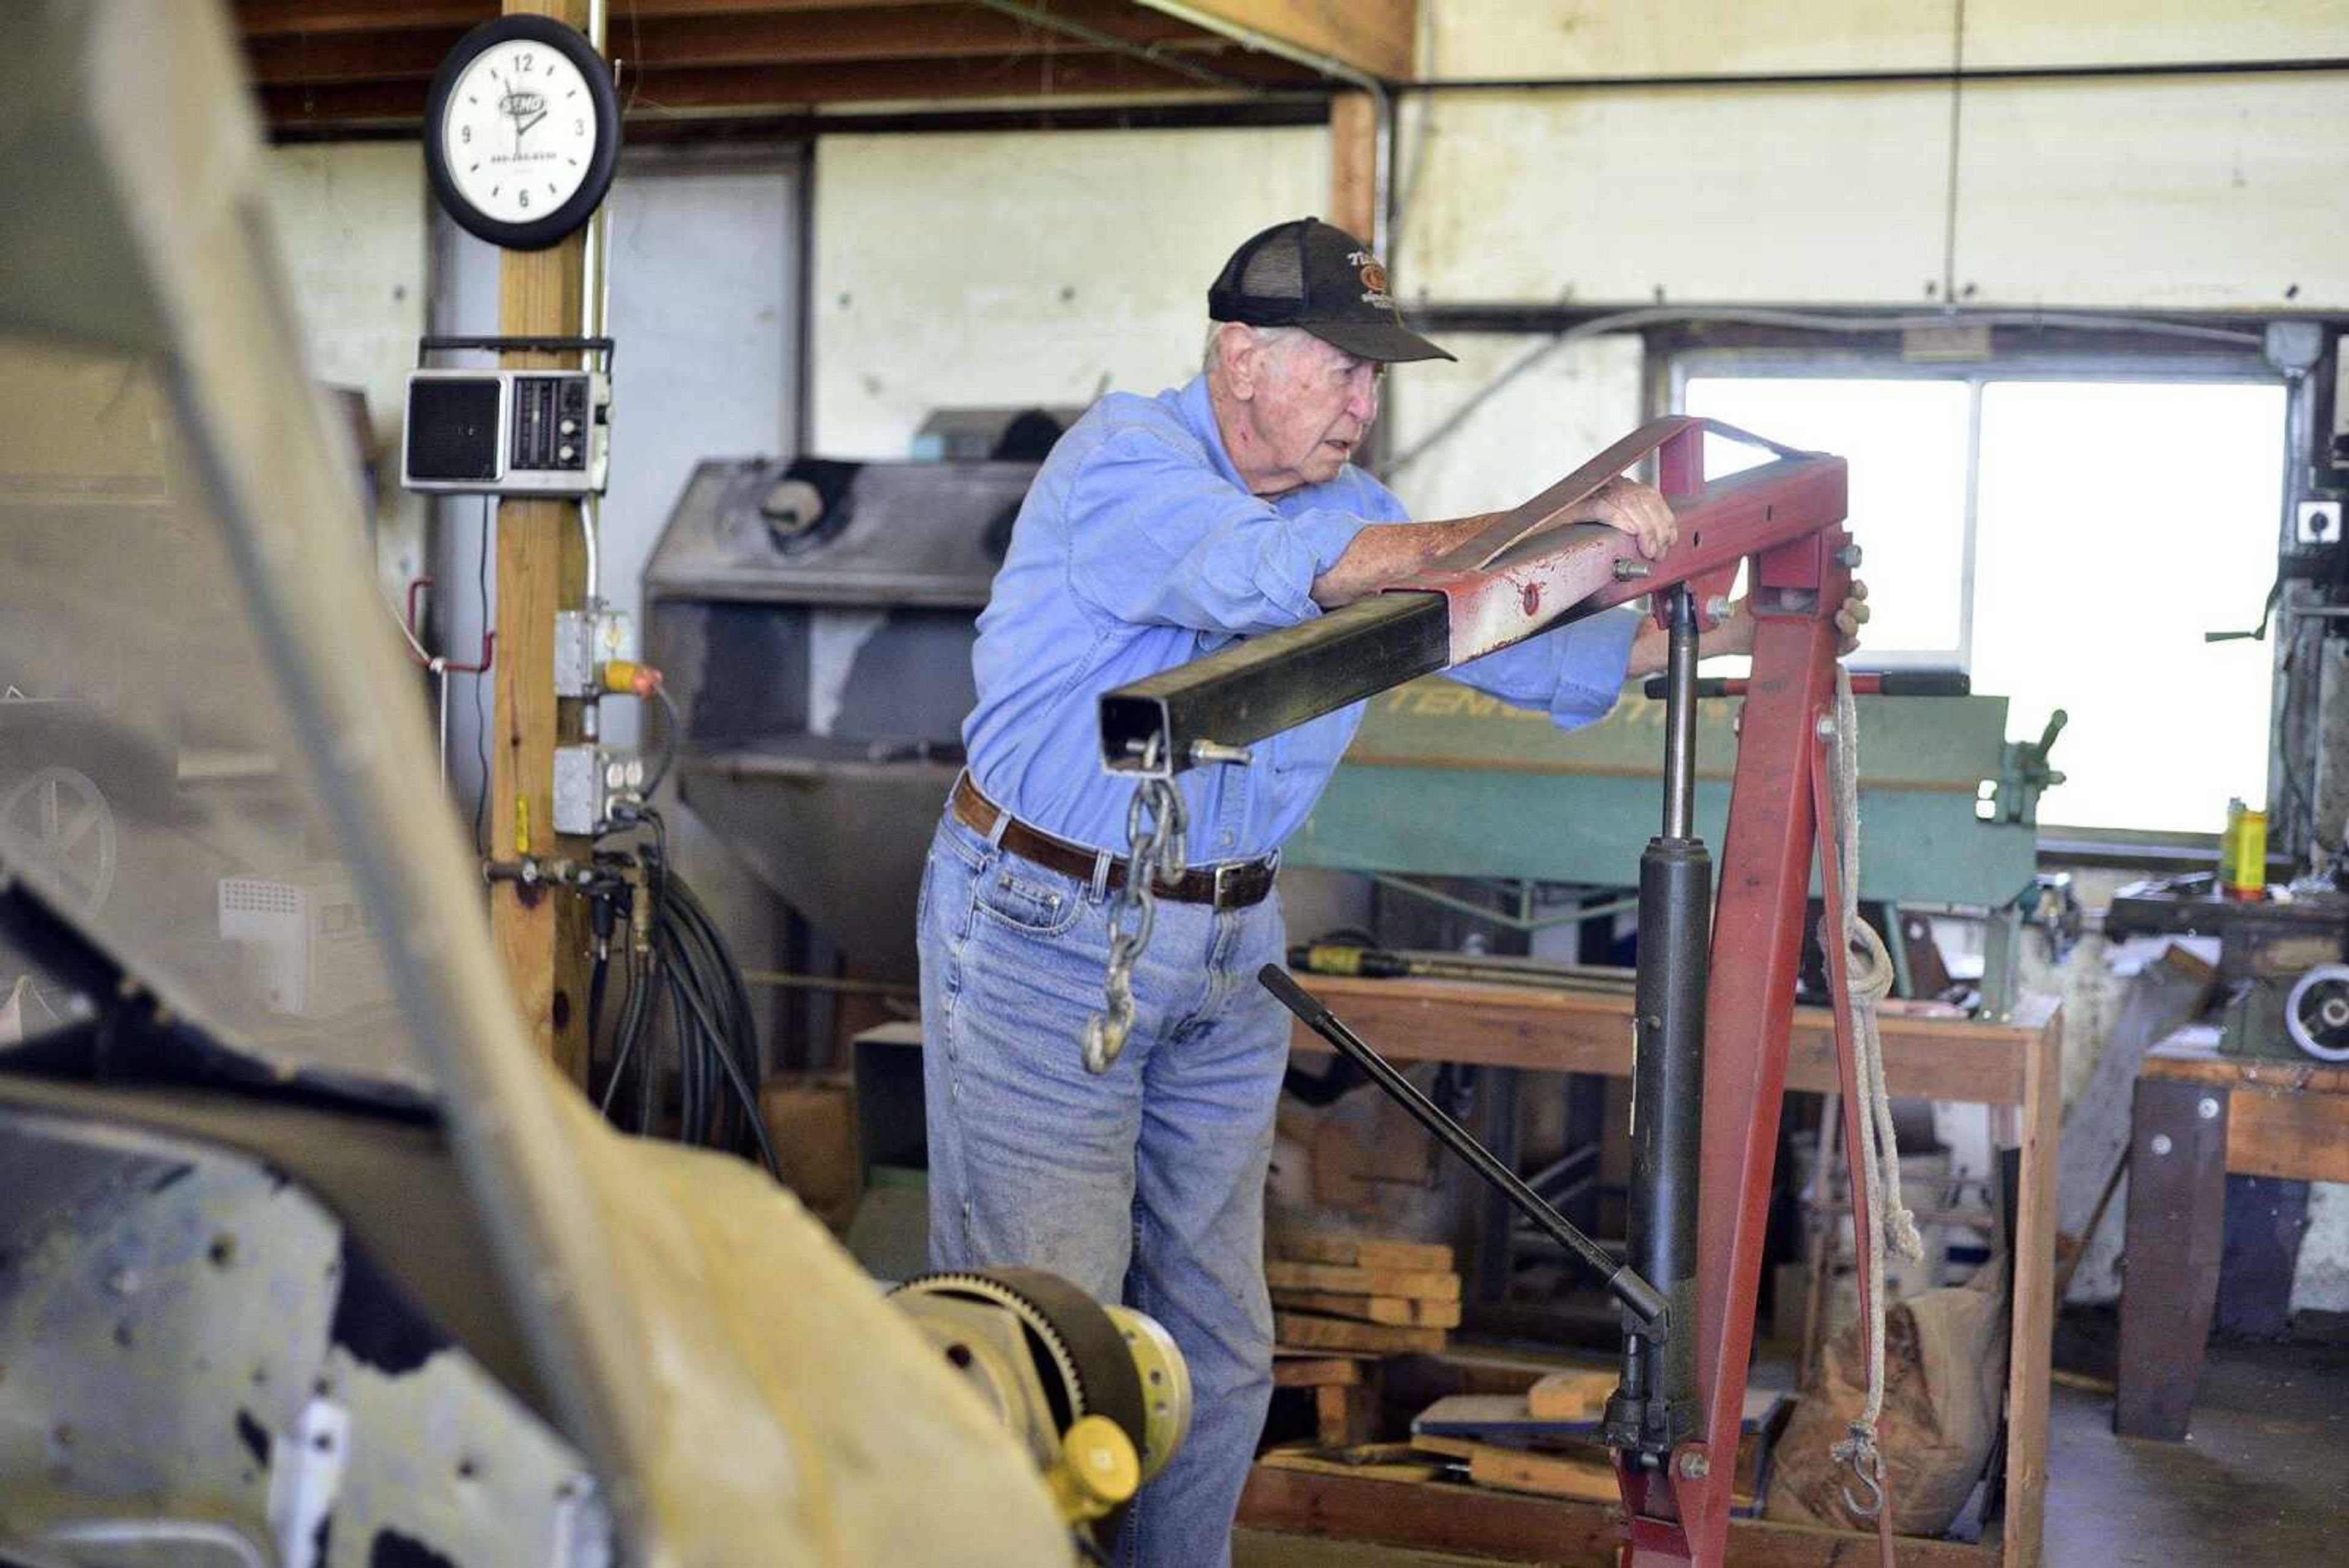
(1571, 400)
(2211, 193)
(1593, 38)
(350, 220)
(2202, 192)
(1637, 197)
(1520, 38)
(1017, 268)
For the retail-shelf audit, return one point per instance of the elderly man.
(1160, 529)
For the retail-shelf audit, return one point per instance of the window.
(2068, 542)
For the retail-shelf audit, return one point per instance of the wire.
(625, 1037)
(407, 632)
(1950, 196)
(595, 986)
(670, 726)
(721, 1059)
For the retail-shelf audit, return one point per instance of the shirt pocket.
(1028, 899)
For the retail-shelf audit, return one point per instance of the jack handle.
(1638, 1298)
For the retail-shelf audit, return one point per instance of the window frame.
(1763, 354)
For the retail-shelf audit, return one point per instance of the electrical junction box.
(506, 432)
(313, 947)
(587, 779)
(585, 641)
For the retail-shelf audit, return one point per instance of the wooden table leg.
(2175, 1238)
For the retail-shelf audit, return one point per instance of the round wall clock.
(522, 131)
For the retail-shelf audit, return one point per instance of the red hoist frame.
(1786, 519)
(1526, 572)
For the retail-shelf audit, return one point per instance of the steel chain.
(1154, 828)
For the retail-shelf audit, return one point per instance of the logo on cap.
(1374, 279)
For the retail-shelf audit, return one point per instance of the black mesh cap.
(1306, 273)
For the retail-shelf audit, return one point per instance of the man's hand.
(1850, 615)
(1651, 647)
(1736, 633)
(1639, 510)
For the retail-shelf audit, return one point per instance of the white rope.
(1870, 972)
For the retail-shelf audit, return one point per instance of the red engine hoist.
(1713, 1019)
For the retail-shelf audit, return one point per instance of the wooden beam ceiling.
(914, 32)
(1375, 38)
(259, 19)
(329, 67)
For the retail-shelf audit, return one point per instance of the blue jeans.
(1145, 1185)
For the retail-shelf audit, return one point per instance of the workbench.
(2198, 1117)
(2014, 1064)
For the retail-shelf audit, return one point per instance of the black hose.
(626, 1035)
(744, 1093)
(596, 982)
(712, 1026)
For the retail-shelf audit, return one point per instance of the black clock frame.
(538, 234)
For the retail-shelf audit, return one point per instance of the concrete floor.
(2260, 1478)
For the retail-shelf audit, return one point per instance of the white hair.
(1268, 337)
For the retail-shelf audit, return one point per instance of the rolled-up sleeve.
(1155, 538)
(1576, 672)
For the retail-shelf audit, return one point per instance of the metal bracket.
(430, 345)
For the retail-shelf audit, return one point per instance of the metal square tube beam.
(1276, 682)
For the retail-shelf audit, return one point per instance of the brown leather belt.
(1229, 884)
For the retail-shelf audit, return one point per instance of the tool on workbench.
(2243, 853)
(2316, 1013)
(1710, 1082)
(1340, 959)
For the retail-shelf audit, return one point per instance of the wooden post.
(541, 568)
(1354, 165)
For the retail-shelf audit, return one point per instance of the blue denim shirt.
(1139, 548)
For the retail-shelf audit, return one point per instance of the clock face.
(522, 131)
(519, 131)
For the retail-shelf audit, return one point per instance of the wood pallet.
(1340, 1305)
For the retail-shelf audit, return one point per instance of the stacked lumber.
(1362, 1296)
(1341, 1303)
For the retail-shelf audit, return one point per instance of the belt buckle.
(1225, 869)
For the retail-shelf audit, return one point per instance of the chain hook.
(1155, 831)
(1867, 1464)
